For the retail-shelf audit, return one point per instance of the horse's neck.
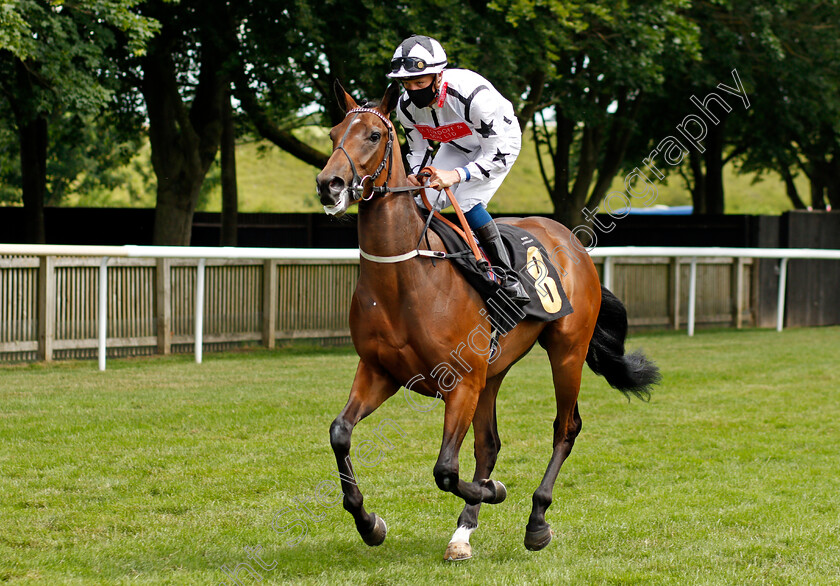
(390, 224)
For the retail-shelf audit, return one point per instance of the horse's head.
(363, 152)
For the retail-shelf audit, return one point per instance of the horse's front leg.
(371, 387)
(458, 415)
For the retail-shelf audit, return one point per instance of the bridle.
(357, 185)
(357, 188)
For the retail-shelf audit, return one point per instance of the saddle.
(530, 260)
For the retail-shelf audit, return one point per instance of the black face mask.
(424, 97)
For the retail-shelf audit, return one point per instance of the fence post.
(692, 295)
(103, 311)
(269, 313)
(46, 308)
(608, 273)
(738, 291)
(199, 310)
(675, 292)
(163, 305)
(780, 304)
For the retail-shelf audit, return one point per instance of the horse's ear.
(390, 99)
(345, 100)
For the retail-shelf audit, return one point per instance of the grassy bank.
(271, 180)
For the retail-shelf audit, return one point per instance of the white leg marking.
(462, 535)
(459, 547)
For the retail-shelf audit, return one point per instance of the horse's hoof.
(498, 489)
(457, 551)
(377, 535)
(536, 540)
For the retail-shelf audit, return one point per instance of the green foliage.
(161, 471)
(787, 54)
(15, 34)
(88, 157)
(55, 65)
(63, 46)
(619, 72)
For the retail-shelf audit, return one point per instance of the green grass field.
(161, 471)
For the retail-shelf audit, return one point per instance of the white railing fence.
(162, 256)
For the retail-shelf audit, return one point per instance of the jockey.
(478, 133)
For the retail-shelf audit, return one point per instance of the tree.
(576, 58)
(184, 82)
(290, 57)
(594, 73)
(53, 68)
(785, 54)
(800, 86)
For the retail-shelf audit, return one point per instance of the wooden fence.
(49, 305)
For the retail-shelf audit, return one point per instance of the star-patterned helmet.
(417, 55)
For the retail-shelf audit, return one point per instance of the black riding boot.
(491, 240)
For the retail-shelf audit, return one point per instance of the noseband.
(357, 186)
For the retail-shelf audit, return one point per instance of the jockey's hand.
(441, 178)
(412, 180)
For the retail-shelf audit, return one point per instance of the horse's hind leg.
(371, 388)
(487, 446)
(566, 367)
(461, 404)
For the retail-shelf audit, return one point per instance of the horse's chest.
(389, 335)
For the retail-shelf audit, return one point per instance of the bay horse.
(410, 315)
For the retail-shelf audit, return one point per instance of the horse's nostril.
(337, 184)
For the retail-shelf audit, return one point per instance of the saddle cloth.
(530, 261)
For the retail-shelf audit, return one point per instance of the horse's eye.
(375, 136)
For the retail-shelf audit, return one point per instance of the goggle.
(411, 64)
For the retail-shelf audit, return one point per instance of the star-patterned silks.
(486, 130)
(500, 156)
(490, 145)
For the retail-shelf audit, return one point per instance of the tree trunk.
(590, 146)
(833, 181)
(790, 188)
(536, 84)
(698, 189)
(714, 169)
(184, 141)
(568, 212)
(621, 130)
(174, 216)
(32, 140)
(33, 169)
(175, 156)
(230, 198)
(817, 194)
(833, 193)
(565, 210)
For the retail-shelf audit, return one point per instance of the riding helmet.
(417, 55)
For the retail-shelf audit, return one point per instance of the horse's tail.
(629, 373)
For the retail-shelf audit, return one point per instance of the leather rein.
(357, 188)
